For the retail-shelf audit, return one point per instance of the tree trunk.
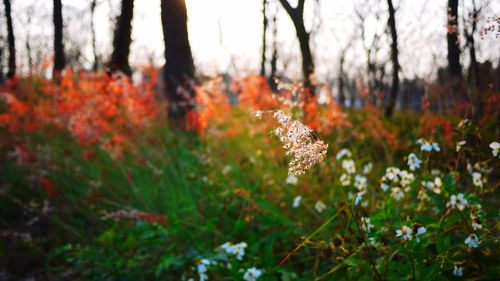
(179, 67)
(122, 39)
(274, 58)
(454, 67)
(264, 41)
(341, 81)
(11, 41)
(59, 59)
(1, 62)
(95, 66)
(473, 68)
(297, 16)
(395, 62)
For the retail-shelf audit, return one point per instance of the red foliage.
(93, 108)
(49, 187)
(431, 124)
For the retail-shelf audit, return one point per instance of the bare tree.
(122, 39)
(264, 43)
(471, 45)
(297, 16)
(454, 66)
(59, 58)
(1, 61)
(274, 56)
(375, 71)
(29, 18)
(11, 41)
(394, 58)
(179, 67)
(93, 5)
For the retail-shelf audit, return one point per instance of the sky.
(226, 35)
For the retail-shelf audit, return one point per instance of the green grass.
(186, 178)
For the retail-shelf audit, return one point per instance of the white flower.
(258, 114)
(320, 206)
(436, 147)
(360, 182)
(406, 178)
(477, 179)
(428, 146)
(433, 186)
(384, 186)
(291, 179)
(495, 148)
(392, 174)
(457, 201)
(421, 231)
(367, 168)
(458, 271)
(404, 232)
(342, 153)
(296, 201)
(459, 145)
(472, 241)
(366, 225)
(359, 196)
(345, 179)
(252, 274)
(476, 224)
(237, 250)
(413, 162)
(348, 166)
(202, 265)
(397, 193)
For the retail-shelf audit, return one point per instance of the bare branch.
(288, 8)
(300, 6)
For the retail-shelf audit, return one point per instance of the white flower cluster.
(298, 142)
(434, 186)
(360, 183)
(457, 201)
(398, 180)
(237, 250)
(231, 250)
(408, 233)
(349, 168)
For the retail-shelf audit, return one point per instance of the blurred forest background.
(389, 53)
